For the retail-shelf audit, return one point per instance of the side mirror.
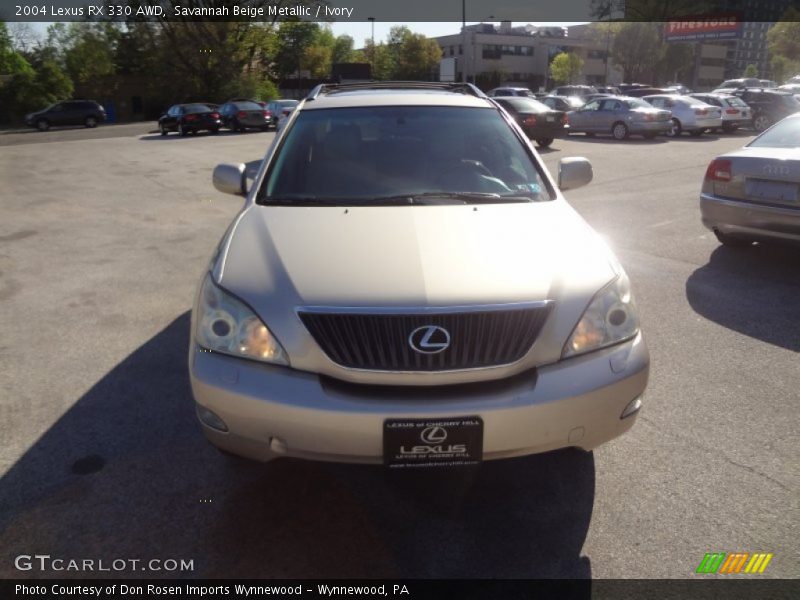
(230, 179)
(574, 172)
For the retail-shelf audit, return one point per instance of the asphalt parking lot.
(103, 236)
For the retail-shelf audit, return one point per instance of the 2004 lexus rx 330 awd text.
(405, 284)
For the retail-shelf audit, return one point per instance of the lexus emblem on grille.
(433, 435)
(776, 170)
(429, 339)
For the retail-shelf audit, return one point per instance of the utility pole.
(372, 53)
(463, 55)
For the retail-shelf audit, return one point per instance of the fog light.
(633, 406)
(211, 419)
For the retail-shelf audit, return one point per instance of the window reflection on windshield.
(358, 155)
(785, 134)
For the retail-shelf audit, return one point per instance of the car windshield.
(786, 134)
(635, 103)
(575, 102)
(196, 108)
(522, 104)
(402, 155)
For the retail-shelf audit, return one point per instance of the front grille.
(380, 342)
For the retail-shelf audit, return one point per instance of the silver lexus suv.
(405, 284)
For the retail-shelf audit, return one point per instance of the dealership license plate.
(550, 119)
(451, 442)
(771, 190)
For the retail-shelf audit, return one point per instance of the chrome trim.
(421, 310)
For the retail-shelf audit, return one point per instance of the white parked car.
(688, 114)
(406, 284)
(735, 112)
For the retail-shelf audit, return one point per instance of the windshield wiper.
(429, 198)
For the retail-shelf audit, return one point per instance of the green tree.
(566, 67)
(676, 63)
(637, 49)
(750, 71)
(296, 37)
(89, 57)
(410, 55)
(343, 50)
(783, 42)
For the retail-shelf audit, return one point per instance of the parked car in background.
(609, 89)
(627, 87)
(243, 115)
(688, 114)
(735, 112)
(679, 88)
(189, 118)
(70, 112)
(590, 97)
(538, 121)
(740, 84)
(261, 103)
(510, 91)
(753, 194)
(640, 92)
(406, 285)
(574, 90)
(620, 116)
(795, 79)
(792, 88)
(563, 103)
(768, 106)
(767, 83)
(280, 110)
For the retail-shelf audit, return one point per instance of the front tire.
(544, 142)
(164, 130)
(675, 129)
(619, 131)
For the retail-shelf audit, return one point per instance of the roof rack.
(463, 88)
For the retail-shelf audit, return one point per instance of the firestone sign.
(696, 29)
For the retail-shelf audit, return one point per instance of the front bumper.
(275, 411)
(748, 219)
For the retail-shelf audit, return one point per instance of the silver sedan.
(754, 193)
(620, 116)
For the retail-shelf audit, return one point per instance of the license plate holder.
(430, 443)
(779, 191)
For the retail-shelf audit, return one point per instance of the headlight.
(610, 318)
(225, 324)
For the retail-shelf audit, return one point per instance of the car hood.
(280, 258)
(416, 256)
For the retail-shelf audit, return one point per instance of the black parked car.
(190, 118)
(538, 121)
(239, 116)
(71, 112)
(768, 106)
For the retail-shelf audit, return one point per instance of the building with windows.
(492, 55)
